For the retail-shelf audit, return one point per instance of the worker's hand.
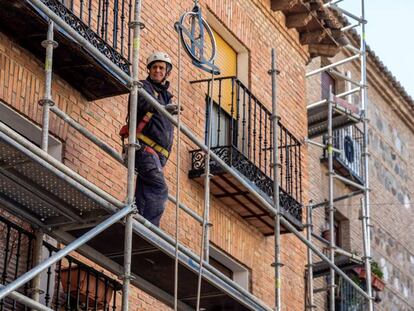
(173, 108)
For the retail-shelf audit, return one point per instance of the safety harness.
(151, 146)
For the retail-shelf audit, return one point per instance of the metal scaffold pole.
(276, 201)
(135, 25)
(178, 169)
(46, 102)
(361, 87)
(309, 228)
(205, 234)
(331, 209)
(366, 202)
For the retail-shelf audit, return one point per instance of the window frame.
(240, 274)
(29, 130)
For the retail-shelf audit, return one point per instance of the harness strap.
(149, 142)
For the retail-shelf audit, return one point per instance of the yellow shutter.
(226, 60)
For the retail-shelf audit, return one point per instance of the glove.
(173, 108)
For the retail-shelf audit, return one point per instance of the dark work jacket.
(159, 128)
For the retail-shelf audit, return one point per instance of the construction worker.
(155, 134)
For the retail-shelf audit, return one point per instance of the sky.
(390, 34)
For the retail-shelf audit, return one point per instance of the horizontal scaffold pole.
(341, 95)
(338, 63)
(105, 147)
(28, 302)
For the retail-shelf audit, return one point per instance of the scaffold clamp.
(47, 43)
(271, 71)
(133, 24)
(45, 102)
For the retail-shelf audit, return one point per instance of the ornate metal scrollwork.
(77, 24)
(233, 157)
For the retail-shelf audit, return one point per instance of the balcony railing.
(348, 298)
(68, 285)
(349, 161)
(242, 136)
(104, 23)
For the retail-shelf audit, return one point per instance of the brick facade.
(258, 29)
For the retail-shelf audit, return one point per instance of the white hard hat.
(159, 57)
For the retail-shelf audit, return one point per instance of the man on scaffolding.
(155, 134)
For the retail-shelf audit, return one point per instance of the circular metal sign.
(198, 40)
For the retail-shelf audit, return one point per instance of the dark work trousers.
(151, 192)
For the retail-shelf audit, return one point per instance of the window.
(220, 126)
(29, 130)
(326, 82)
(232, 59)
(223, 107)
(230, 267)
(341, 230)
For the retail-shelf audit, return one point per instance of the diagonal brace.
(65, 251)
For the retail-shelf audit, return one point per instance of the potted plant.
(376, 275)
(91, 286)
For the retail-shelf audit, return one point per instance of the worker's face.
(158, 72)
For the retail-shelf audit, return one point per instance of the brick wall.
(258, 29)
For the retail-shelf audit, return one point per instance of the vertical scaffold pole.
(178, 169)
(309, 229)
(331, 208)
(49, 44)
(275, 120)
(366, 208)
(135, 25)
(205, 233)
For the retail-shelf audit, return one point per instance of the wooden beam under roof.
(327, 50)
(298, 20)
(313, 37)
(283, 5)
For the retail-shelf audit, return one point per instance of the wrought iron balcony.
(242, 136)
(348, 163)
(68, 285)
(348, 298)
(101, 22)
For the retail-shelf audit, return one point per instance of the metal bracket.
(126, 277)
(133, 24)
(271, 71)
(209, 224)
(44, 102)
(33, 290)
(209, 175)
(273, 117)
(272, 165)
(135, 83)
(135, 145)
(47, 43)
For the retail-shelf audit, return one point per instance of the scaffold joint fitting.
(48, 43)
(133, 24)
(272, 71)
(46, 102)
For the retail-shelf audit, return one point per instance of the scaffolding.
(112, 219)
(325, 116)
